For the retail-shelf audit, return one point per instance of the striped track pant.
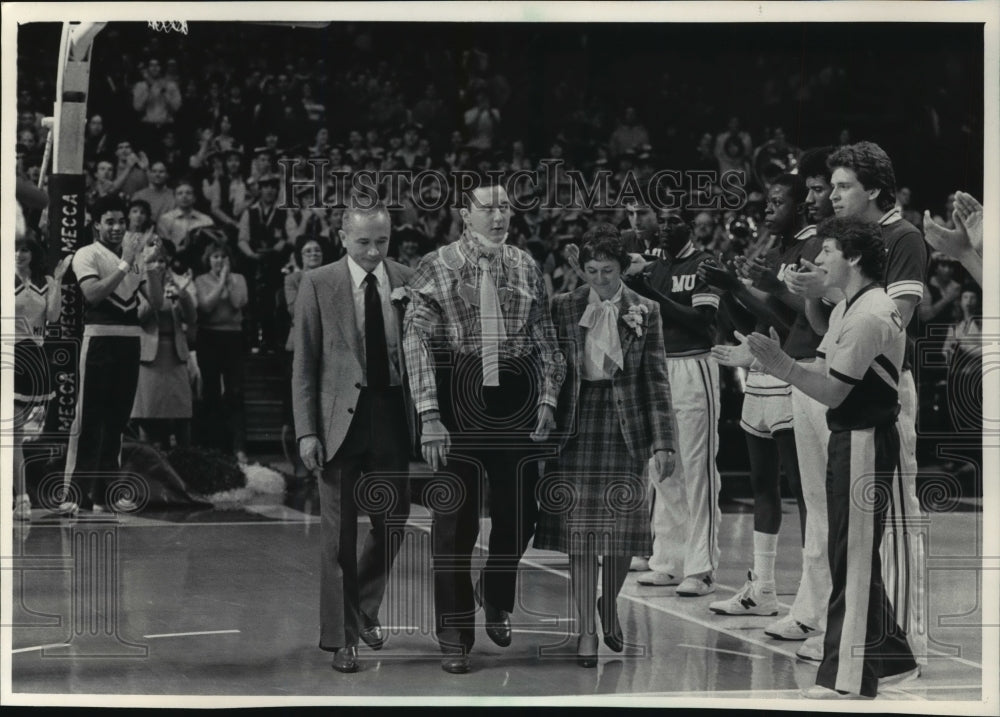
(863, 639)
(686, 511)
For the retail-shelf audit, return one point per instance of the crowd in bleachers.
(196, 132)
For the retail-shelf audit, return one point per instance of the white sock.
(765, 548)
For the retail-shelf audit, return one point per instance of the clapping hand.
(62, 267)
(967, 234)
(763, 275)
(767, 351)
(714, 274)
(808, 282)
(738, 356)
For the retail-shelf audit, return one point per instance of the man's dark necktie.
(376, 351)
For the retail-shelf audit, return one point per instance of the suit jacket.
(641, 389)
(185, 315)
(326, 364)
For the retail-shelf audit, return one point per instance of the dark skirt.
(594, 499)
(32, 384)
(164, 389)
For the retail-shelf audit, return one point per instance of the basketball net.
(169, 26)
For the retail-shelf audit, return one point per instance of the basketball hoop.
(169, 26)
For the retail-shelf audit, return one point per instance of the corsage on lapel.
(399, 297)
(635, 318)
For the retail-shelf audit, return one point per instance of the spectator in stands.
(903, 202)
(943, 290)
(163, 397)
(628, 135)
(482, 122)
(95, 141)
(130, 172)
(156, 98)
(963, 349)
(228, 195)
(263, 242)
(172, 155)
(222, 295)
(157, 195)
(176, 224)
(733, 148)
(223, 140)
(313, 109)
(102, 183)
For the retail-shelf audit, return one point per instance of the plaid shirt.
(443, 314)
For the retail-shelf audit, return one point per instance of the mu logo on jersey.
(684, 282)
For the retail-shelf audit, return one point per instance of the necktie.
(600, 318)
(376, 351)
(492, 325)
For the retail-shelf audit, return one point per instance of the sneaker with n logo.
(755, 598)
(696, 585)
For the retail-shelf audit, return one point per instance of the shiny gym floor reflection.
(226, 603)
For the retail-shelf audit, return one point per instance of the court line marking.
(40, 647)
(717, 649)
(692, 618)
(187, 634)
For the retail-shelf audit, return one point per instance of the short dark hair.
(603, 242)
(108, 203)
(304, 239)
(873, 168)
(796, 186)
(857, 238)
(214, 247)
(812, 163)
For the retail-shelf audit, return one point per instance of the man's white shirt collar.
(358, 274)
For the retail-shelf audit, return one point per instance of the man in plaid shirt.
(485, 371)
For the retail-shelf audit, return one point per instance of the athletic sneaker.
(639, 564)
(756, 598)
(899, 677)
(812, 649)
(788, 628)
(659, 579)
(696, 586)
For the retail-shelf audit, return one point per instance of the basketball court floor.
(225, 603)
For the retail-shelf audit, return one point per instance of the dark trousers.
(369, 473)
(490, 429)
(220, 358)
(863, 640)
(109, 374)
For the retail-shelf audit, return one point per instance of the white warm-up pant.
(812, 438)
(904, 543)
(686, 511)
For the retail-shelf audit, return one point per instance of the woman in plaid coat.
(613, 413)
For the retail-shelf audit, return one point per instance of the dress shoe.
(345, 659)
(456, 663)
(373, 636)
(586, 651)
(613, 637)
(497, 621)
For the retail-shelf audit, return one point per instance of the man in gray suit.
(352, 411)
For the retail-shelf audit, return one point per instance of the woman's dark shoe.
(586, 651)
(613, 637)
